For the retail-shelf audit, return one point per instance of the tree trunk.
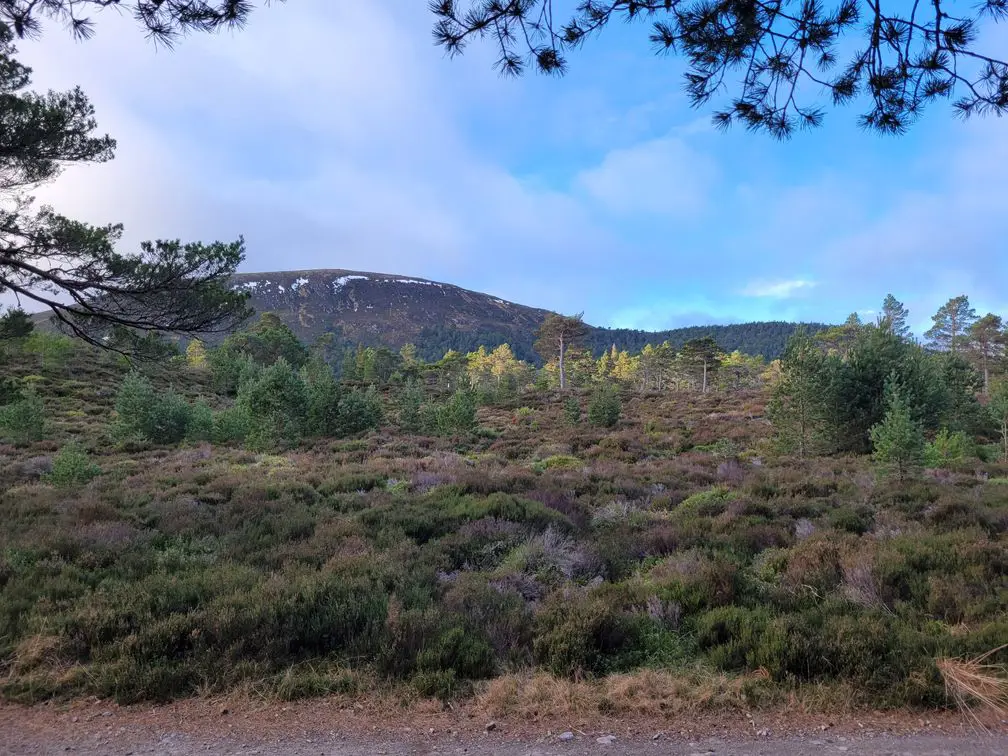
(704, 391)
(563, 376)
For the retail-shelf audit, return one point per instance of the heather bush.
(589, 634)
(421, 559)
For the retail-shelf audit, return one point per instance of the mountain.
(382, 309)
(391, 310)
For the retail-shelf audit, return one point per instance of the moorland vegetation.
(253, 518)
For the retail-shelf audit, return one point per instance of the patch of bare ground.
(340, 726)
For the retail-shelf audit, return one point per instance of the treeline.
(766, 339)
(861, 388)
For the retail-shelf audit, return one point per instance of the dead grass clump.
(35, 651)
(976, 681)
(645, 692)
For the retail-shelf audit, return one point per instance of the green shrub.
(456, 416)
(276, 404)
(359, 411)
(556, 461)
(24, 420)
(10, 390)
(410, 400)
(948, 448)
(709, 503)
(466, 654)
(167, 421)
(143, 413)
(230, 426)
(583, 636)
(201, 422)
(604, 407)
(853, 519)
(71, 467)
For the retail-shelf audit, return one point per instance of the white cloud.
(343, 147)
(658, 177)
(778, 289)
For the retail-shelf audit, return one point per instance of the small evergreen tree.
(167, 421)
(72, 467)
(410, 401)
(324, 396)
(796, 406)
(572, 410)
(276, 404)
(359, 411)
(201, 422)
(23, 421)
(999, 410)
(898, 440)
(133, 403)
(16, 324)
(604, 407)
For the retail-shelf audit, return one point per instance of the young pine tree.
(797, 408)
(999, 410)
(898, 441)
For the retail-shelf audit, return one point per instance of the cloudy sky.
(335, 134)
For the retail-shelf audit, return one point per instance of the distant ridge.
(386, 309)
(391, 310)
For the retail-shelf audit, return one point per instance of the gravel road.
(176, 744)
(333, 729)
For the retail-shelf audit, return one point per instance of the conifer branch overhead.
(772, 60)
(163, 20)
(71, 267)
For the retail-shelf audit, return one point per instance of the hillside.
(378, 308)
(163, 541)
(384, 309)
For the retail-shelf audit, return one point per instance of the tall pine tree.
(952, 323)
(894, 317)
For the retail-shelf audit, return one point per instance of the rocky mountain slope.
(381, 308)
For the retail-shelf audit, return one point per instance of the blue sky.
(336, 135)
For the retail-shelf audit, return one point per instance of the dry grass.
(972, 682)
(645, 692)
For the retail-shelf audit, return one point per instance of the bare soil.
(336, 728)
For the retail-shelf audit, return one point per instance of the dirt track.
(335, 729)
